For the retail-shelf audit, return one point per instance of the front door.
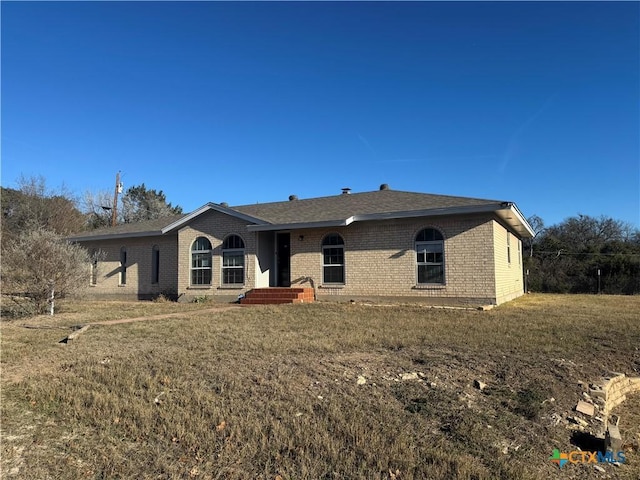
(283, 259)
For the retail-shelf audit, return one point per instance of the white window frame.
(519, 252)
(509, 248)
(420, 246)
(236, 252)
(193, 269)
(333, 265)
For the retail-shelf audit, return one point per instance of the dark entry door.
(283, 259)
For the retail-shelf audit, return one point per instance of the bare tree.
(97, 206)
(33, 206)
(537, 224)
(40, 266)
(136, 205)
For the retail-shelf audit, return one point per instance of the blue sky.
(536, 103)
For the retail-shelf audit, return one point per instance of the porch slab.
(278, 295)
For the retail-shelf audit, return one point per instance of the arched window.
(123, 265)
(155, 264)
(333, 259)
(201, 262)
(233, 260)
(430, 256)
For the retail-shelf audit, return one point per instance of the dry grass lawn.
(320, 391)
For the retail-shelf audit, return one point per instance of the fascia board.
(115, 236)
(428, 212)
(187, 218)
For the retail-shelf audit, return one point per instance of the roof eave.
(115, 236)
(430, 212)
(510, 214)
(379, 216)
(507, 211)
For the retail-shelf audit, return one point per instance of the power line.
(562, 252)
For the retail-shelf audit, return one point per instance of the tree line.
(583, 254)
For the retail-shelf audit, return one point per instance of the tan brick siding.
(380, 258)
(216, 227)
(509, 282)
(139, 266)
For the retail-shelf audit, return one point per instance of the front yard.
(319, 391)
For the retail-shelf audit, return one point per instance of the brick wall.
(216, 227)
(139, 266)
(380, 259)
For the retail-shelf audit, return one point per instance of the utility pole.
(114, 210)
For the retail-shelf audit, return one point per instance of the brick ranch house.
(384, 243)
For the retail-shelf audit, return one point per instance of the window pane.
(429, 235)
(434, 257)
(200, 277)
(233, 241)
(333, 256)
(201, 260)
(233, 276)
(201, 243)
(429, 253)
(155, 265)
(232, 259)
(334, 274)
(430, 274)
(333, 239)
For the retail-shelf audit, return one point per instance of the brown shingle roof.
(322, 209)
(339, 207)
(148, 226)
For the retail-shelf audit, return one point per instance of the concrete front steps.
(277, 295)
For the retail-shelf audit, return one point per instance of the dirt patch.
(217, 309)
